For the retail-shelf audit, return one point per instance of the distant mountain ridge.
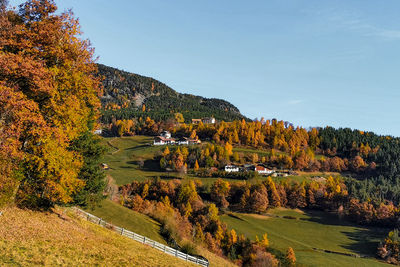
(131, 91)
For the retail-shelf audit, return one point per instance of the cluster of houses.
(165, 138)
(259, 168)
(208, 120)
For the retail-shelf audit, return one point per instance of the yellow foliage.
(233, 236)
(166, 152)
(265, 242)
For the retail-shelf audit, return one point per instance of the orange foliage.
(48, 95)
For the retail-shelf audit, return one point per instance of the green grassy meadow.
(124, 155)
(128, 219)
(312, 229)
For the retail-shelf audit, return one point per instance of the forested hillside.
(127, 95)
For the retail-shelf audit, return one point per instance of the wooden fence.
(142, 239)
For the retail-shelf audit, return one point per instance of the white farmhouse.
(263, 170)
(231, 168)
(161, 141)
(166, 139)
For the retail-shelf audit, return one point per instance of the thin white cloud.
(388, 34)
(295, 102)
(367, 29)
(353, 21)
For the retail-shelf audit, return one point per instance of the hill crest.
(130, 91)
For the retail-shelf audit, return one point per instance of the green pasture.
(312, 229)
(128, 219)
(125, 156)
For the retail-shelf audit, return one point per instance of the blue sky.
(310, 62)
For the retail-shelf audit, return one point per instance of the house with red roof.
(262, 170)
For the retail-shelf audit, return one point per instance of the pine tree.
(199, 235)
(265, 242)
(196, 166)
(89, 147)
(166, 152)
(274, 198)
(236, 157)
(193, 135)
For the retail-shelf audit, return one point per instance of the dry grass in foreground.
(215, 260)
(34, 238)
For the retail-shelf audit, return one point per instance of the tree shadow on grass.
(147, 165)
(325, 217)
(234, 216)
(365, 238)
(138, 147)
(169, 177)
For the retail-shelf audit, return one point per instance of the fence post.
(144, 240)
(99, 220)
(165, 247)
(88, 217)
(176, 253)
(154, 244)
(133, 236)
(122, 231)
(197, 259)
(187, 257)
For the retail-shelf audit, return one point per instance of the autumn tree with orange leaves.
(48, 98)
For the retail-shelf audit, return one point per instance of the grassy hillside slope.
(141, 224)
(128, 219)
(313, 229)
(29, 238)
(124, 156)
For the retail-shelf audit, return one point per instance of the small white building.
(279, 174)
(98, 132)
(187, 141)
(231, 168)
(209, 120)
(194, 141)
(104, 166)
(166, 134)
(161, 141)
(183, 141)
(165, 139)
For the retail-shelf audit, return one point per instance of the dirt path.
(116, 148)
